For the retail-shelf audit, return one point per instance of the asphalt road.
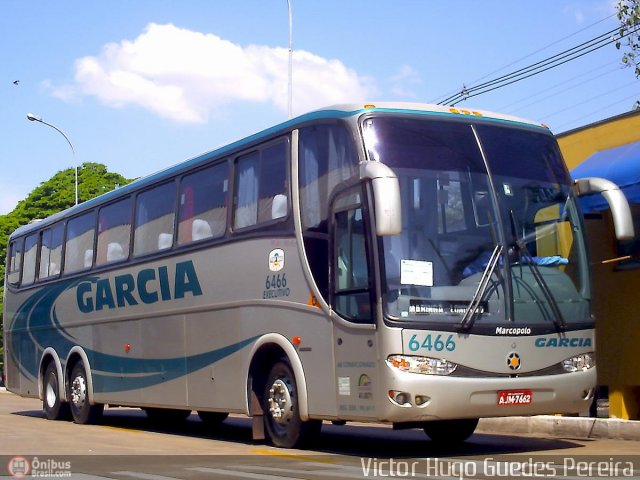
(126, 445)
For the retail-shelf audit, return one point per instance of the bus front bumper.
(419, 397)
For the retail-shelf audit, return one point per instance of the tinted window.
(327, 157)
(246, 197)
(51, 251)
(272, 203)
(78, 252)
(155, 212)
(114, 232)
(261, 186)
(30, 256)
(203, 204)
(15, 262)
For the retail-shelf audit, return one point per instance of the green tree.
(52, 196)
(629, 16)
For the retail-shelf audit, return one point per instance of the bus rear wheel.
(78, 394)
(450, 432)
(52, 405)
(281, 410)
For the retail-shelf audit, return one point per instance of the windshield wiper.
(472, 310)
(521, 246)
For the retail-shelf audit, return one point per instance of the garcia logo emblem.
(513, 361)
(276, 260)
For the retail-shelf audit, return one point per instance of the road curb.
(555, 426)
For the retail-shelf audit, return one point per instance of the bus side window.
(272, 203)
(15, 262)
(114, 232)
(30, 257)
(78, 252)
(155, 213)
(51, 251)
(261, 186)
(352, 285)
(327, 157)
(203, 204)
(246, 193)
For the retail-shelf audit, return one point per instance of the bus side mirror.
(386, 193)
(620, 211)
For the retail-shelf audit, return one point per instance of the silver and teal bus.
(416, 265)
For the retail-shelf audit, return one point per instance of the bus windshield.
(492, 238)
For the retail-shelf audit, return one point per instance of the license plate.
(514, 397)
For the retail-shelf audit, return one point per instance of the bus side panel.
(114, 356)
(22, 352)
(163, 339)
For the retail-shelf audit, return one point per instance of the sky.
(142, 85)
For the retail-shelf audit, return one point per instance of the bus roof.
(330, 112)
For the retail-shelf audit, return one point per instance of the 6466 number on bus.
(437, 343)
(275, 281)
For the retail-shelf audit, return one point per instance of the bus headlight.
(579, 363)
(423, 365)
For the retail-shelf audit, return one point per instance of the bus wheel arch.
(277, 392)
(266, 352)
(48, 356)
(77, 354)
(79, 382)
(51, 387)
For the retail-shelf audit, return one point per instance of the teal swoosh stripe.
(159, 370)
(38, 328)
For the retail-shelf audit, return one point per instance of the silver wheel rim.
(78, 392)
(280, 404)
(51, 394)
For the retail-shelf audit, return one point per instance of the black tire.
(212, 419)
(281, 411)
(52, 405)
(450, 432)
(78, 394)
(167, 416)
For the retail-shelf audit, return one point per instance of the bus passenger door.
(352, 300)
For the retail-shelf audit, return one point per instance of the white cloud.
(184, 75)
(403, 82)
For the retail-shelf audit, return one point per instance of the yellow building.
(611, 148)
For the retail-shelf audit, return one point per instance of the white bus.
(417, 265)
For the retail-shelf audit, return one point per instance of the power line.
(538, 67)
(546, 89)
(571, 86)
(534, 52)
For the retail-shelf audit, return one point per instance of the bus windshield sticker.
(443, 307)
(276, 260)
(416, 272)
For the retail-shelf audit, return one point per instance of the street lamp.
(290, 58)
(35, 118)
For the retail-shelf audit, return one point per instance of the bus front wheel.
(78, 394)
(450, 432)
(52, 405)
(282, 415)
